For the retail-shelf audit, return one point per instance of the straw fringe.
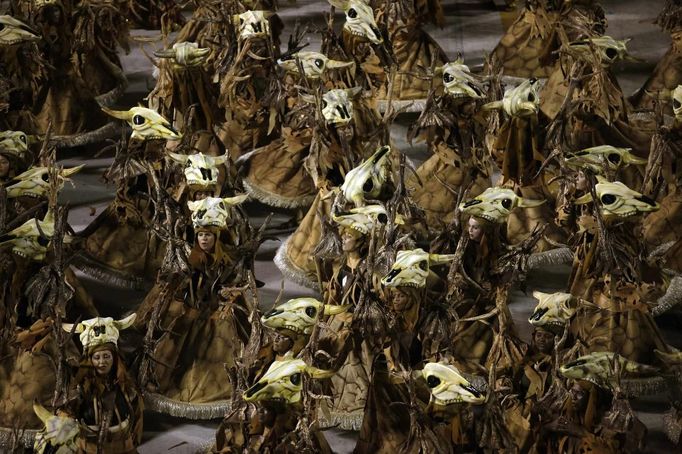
(672, 297)
(162, 404)
(672, 425)
(26, 438)
(290, 270)
(557, 256)
(275, 200)
(101, 272)
(341, 420)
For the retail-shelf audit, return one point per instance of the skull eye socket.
(423, 265)
(676, 104)
(310, 311)
(611, 53)
(319, 63)
(324, 104)
(432, 381)
(576, 363)
(43, 241)
(222, 205)
(295, 379)
(352, 13)
(531, 97)
(368, 186)
(448, 78)
(201, 213)
(614, 158)
(507, 203)
(138, 120)
(241, 20)
(22, 137)
(608, 199)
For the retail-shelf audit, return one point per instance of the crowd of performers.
(537, 158)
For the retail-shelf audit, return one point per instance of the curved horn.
(339, 64)
(439, 259)
(41, 412)
(68, 327)
(330, 309)
(125, 322)
(165, 53)
(492, 105)
(353, 92)
(236, 200)
(120, 114)
(217, 160)
(314, 372)
(179, 158)
(529, 203)
(587, 198)
(71, 171)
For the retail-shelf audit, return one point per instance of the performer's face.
(206, 241)
(350, 240)
(400, 300)
(544, 341)
(282, 343)
(475, 230)
(201, 195)
(4, 167)
(581, 181)
(103, 360)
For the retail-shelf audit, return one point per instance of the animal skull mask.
(252, 24)
(459, 82)
(99, 330)
(366, 180)
(363, 219)
(60, 432)
(13, 31)
(619, 201)
(359, 19)
(447, 386)
(299, 314)
(15, 143)
(520, 101)
(609, 50)
(337, 105)
(283, 381)
(677, 102)
(213, 211)
(30, 240)
(553, 309)
(200, 169)
(34, 182)
(314, 64)
(496, 204)
(603, 157)
(598, 368)
(147, 124)
(411, 268)
(185, 55)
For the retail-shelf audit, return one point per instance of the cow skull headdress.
(185, 54)
(147, 124)
(99, 330)
(200, 170)
(459, 82)
(314, 63)
(520, 101)
(447, 385)
(299, 314)
(252, 24)
(13, 31)
(367, 179)
(59, 432)
(496, 204)
(283, 381)
(619, 201)
(553, 309)
(359, 19)
(411, 268)
(603, 157)
(213, 211)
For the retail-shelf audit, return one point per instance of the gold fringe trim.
(26, 438)
(290, 270)
(162, 404)
(672, 425)
(559, 256)
(341, 420)
(103, 273)
(637, 387)
(672, 297)
(411, 105)
(275, 200)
